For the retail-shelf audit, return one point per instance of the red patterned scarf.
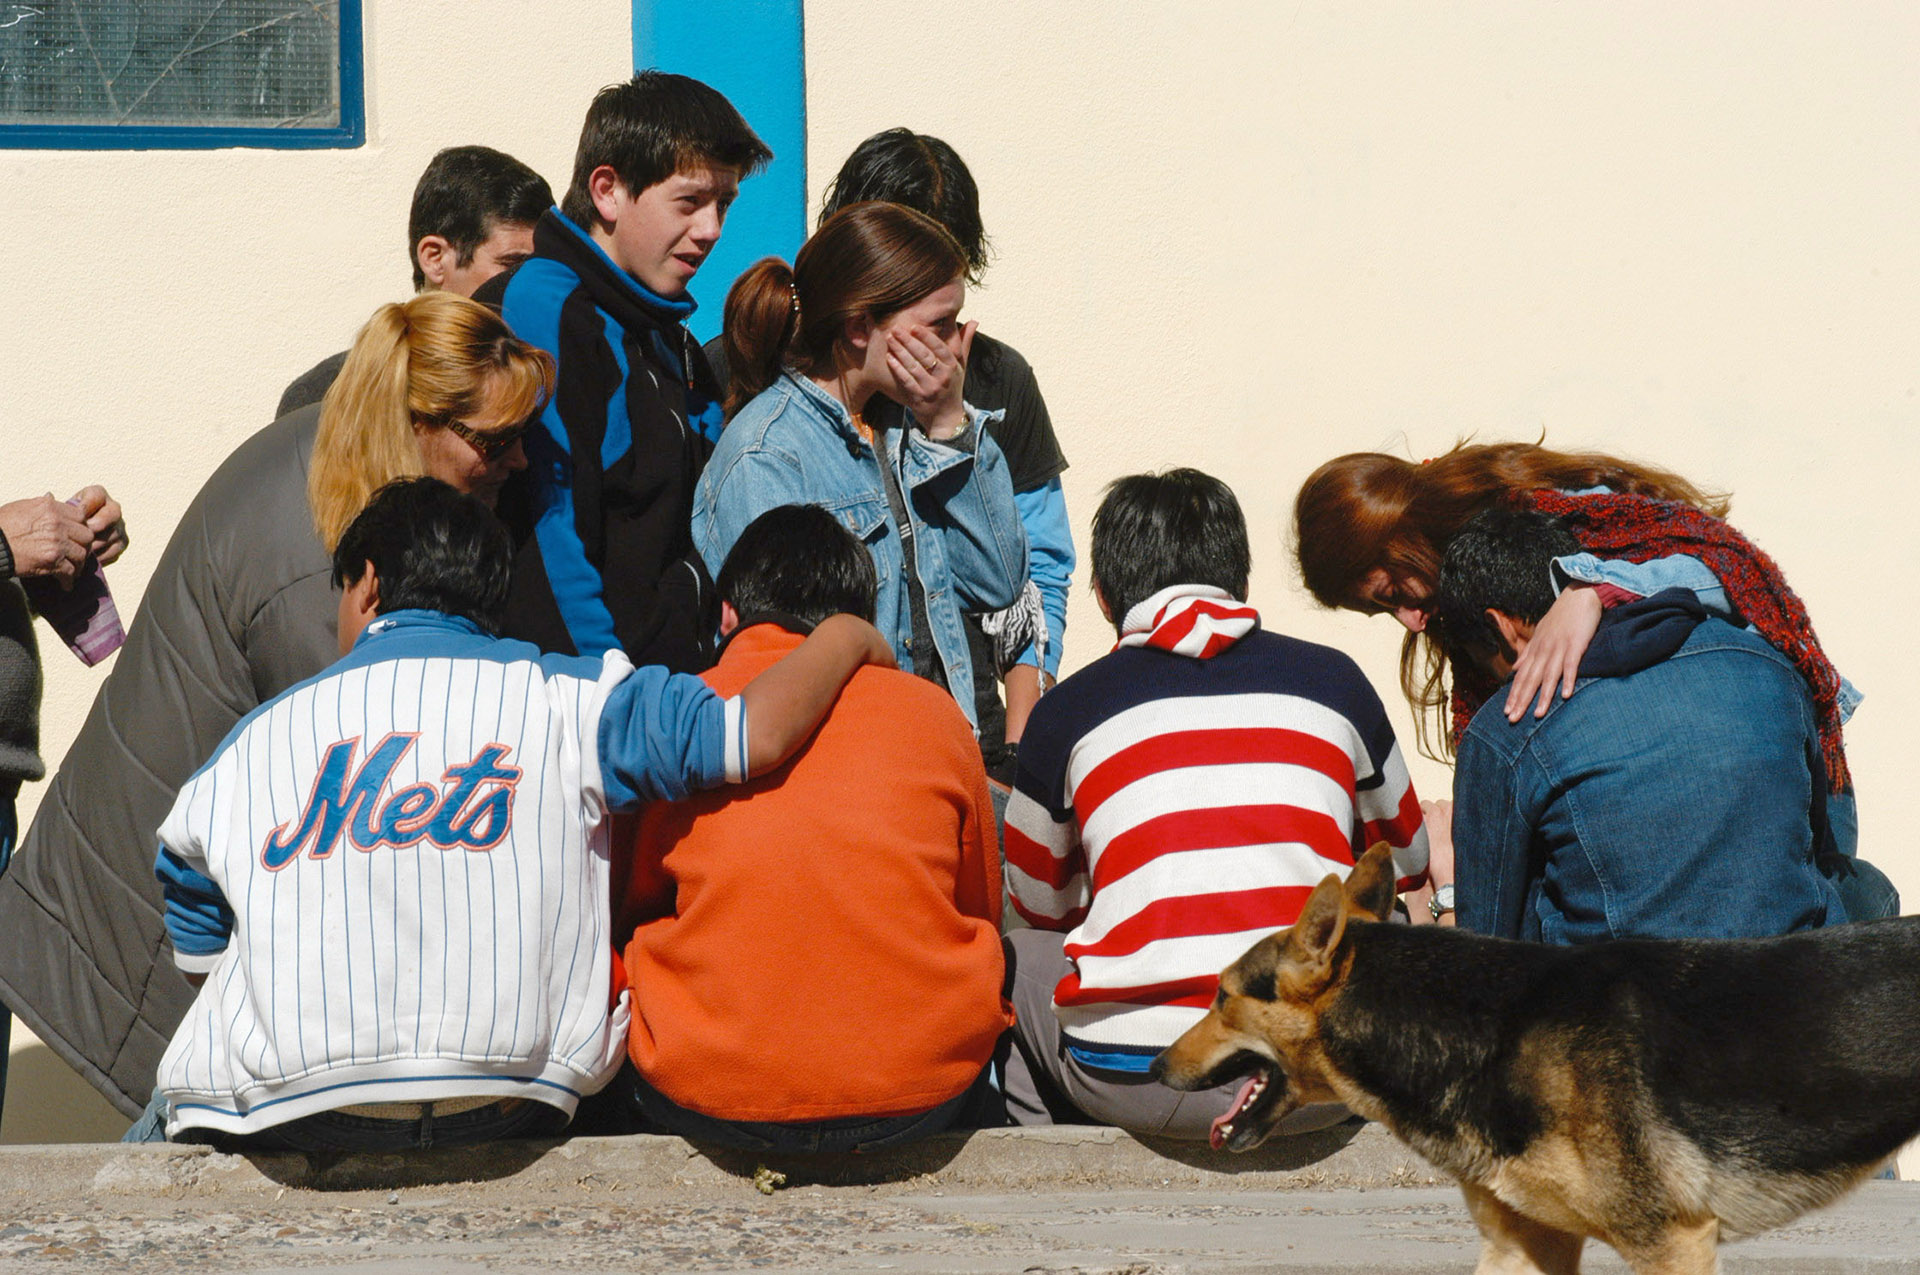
(1638, 528)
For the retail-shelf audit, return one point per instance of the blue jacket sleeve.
(1491, 842)
(1050, 563)
(1675, 571)
(663, 736)
(984, 544)
(199, 921)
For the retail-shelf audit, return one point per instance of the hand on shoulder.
(862, 636)
(1552, 655)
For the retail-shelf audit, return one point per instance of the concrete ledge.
(994, 1161)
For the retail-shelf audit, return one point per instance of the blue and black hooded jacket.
(602, 515)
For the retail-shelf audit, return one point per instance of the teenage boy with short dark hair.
(472, 218)
(815, 958)
(1176, 800)
(1678, 792)
(393, 878)
(603, 514)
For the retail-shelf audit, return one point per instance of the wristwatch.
(1442, 901)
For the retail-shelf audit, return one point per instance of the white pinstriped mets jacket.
(394, 875)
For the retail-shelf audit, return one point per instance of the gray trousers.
(1047, 1085)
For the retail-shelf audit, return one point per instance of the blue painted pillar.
(751, 50)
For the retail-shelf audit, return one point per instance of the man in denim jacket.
(1678, 793)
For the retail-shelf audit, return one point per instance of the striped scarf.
(1639, 528)
(1195, 620)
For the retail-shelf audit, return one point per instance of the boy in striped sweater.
(1175, 801)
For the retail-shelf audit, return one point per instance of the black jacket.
(602, 516)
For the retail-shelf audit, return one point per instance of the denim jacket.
(1686, 800)
(797, 444)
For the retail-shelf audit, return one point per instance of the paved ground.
(1024, 1203)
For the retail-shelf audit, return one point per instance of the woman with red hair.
(1370, 530)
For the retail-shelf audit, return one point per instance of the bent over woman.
(1370, 530)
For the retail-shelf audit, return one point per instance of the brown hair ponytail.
(759, 325)
(869, 259)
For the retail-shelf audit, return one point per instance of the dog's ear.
(1370, 884)
(1315, 937)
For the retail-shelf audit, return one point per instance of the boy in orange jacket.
(815, 956)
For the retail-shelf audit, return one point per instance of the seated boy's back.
(1175, 801)
(823, 943)
(1678, 790)
(834, 947)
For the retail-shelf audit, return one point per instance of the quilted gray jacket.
(239, 608)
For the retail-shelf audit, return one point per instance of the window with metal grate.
(144, 74)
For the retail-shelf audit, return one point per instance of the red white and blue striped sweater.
(1179, 798)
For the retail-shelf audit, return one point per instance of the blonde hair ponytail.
(418, 364)
(365, 438)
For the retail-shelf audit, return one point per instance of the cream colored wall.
(159, 301)
(1252, 236)
(1240, 236)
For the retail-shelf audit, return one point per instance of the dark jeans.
(978, 1106)
(338, 1131)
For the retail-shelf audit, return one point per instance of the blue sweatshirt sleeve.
(593, 362)
(1050, 564)
(663, 736)
(1675, 571)
(199, 921)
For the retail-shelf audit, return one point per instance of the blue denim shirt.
(1682, 801)
(797, 444)
(1675, 571)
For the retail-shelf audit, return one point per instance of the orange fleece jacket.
(824, 941)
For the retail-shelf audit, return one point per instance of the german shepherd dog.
(1657, 1095)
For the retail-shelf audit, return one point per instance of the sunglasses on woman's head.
(489, 443)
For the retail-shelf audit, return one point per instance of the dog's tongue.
(1215, 1138)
